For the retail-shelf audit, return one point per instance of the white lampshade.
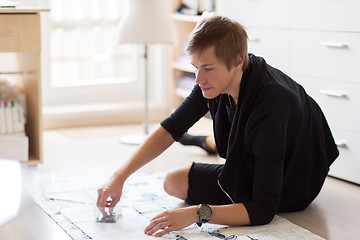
(146, 22)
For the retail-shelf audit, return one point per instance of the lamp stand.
(138, 138)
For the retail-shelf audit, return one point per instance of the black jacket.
(276, 141)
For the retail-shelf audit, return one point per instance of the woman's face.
(212, 75)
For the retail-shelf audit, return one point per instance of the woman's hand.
(109, 195)
(172, 220)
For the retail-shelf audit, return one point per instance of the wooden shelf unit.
(184, 24)
(20, 34)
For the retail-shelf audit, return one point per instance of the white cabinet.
(340, 101)
(347, 166)
(332, 15)
(273, 43)
(318, 44)
(256, 13)
(326, 54)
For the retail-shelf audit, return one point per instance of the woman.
(275, 139)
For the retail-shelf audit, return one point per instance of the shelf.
(23, 39)
(182, 67)
(12, 73)
(182, 92)
(26, 10)
(32, 161)
(186, 18)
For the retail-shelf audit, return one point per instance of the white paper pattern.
(73, 208)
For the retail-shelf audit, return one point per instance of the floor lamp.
(146, 22)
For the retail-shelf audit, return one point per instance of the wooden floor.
(335, 214)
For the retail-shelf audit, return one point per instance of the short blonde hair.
(227, 36)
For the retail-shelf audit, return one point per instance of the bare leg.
(176, 182)
(210, 142)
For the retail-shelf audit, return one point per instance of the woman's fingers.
(165, 231)
(106, 200)
(171, 220)
(156, 223)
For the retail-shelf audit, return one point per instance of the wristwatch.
(204, 212)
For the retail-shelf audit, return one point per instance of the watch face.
(205, 212)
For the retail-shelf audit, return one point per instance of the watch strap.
(202, 218)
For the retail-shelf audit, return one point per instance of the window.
(88, 70)
(83, 43)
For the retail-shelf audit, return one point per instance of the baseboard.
(99, 117)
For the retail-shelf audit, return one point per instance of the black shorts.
(203, 185)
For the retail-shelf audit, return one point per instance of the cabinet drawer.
(19, 33)
(331, 55)
(339, 101)
(272, 45)
(347, 165)
(256, 13)
(333, 15)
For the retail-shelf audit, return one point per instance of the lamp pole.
(146, 93)
(145, 22)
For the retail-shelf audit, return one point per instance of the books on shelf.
(11, 117)
(8, 4)
(14, 144)
(185, 84)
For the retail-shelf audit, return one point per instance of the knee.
(169, 183)
(176, 183)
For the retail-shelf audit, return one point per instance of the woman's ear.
(239, 62)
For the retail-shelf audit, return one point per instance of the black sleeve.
(266, 138)
(187, 114)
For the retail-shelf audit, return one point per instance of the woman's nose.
(198, 79)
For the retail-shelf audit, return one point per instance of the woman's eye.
(208, 69)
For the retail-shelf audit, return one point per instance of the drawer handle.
(333, 94)
(340, 144)
(334, 44)
(7, 34)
